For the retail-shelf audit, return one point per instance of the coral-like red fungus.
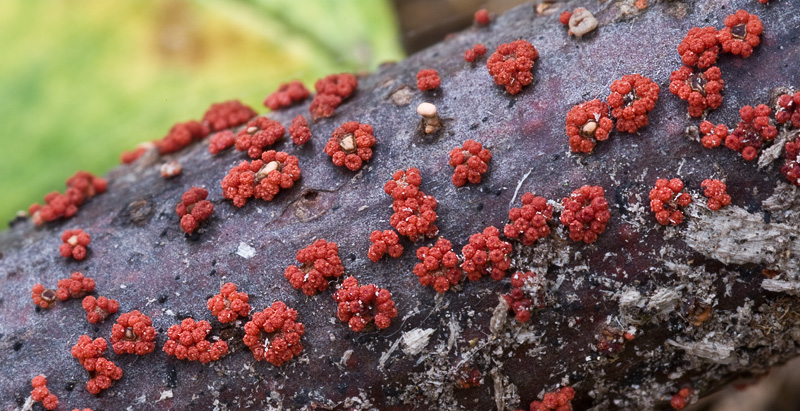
(299, 130)
(428, 79)
(700, 47)
(717, 194)
(665, 198)
(194, 209)
(80, 187)
(486, 254)
(351, 145)
(128, 157)
(511, 65)
(221, 141)
(180, 136)
(751, 133)
(482, 17)
(257, 135)
(133, 333)
(187, 341)
(681, 399)
(261, 178)
(631, 98)
(529, 222)
(361, 305)
(285, 344)
(527, 294)
(712, 136)
(588, 123)
(564, 17)
(557, 400)
(741, 34)
(470, 161)
(438, 266)
(43, 297)
(76, 286)
(331, 91)
(229, 304)
(227, 114)
(791, 168)
(585, 213)
(787, 111)
(384, 242)
(97, 309)
(319, 262)
(90, 354)
(414, 211)
(700, 89)
(476, 51)
(41, 394)
(74, 244)
(287, 95)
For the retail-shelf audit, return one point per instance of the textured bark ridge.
(657, 283)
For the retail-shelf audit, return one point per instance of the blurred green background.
(83, 80)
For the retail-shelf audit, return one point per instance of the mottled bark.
(638, 276)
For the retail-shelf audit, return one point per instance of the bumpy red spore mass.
(529, 222)
(486, 254)
(76, 286)
(229, 304)
(80, 187)
(681, 399)
(470, 162)
(414, 211)
(384, 242)
(787, 111)
(527, 293)
(180, 136)
(221, 141)
(438, 266)
(751, 133)
(511, 65)
(257, 135)
(227, 114)
(299, 130)
(97, 309)
(194, 209)
(476, 51)
(262, 178)
(43, 297)
(700, 47)
(428, 79)
(665, 198)
(631, 98)
(319, 262)
(585, 213)
(557, 400)
(588, 123)
(713, 136)
(133, 333)
(741, 34)
(128, 157)
(700, 89)
(331, 91)
(791, 168)
(717, 193)
(482, 17)
(287, 95)
(564, 17)
(284, 344)
(362, 305)
(351, 145)
(187, 341)
(74, 243)
(41, 394)
(102, 371)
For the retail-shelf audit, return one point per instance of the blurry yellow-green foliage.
(83, 80)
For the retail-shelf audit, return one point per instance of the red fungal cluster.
(76, 286)
(227, 114)
(529, 223)
(511, 65)
(588, 123)
(585, 213)
(558, 400)
(712, 136)
(351, 145)
(229, 304)
(700, 47)
(90, 354)
(97, 309)
(74, 244)
(128, 157)
(385, 242)
(187, 341)
(414, 211)
(331, 91)
(194, 209)
(486, 254)
(299, 130)
(476, 51)
(527, 293)
(631, 98)
(428, 79)
(680, 399)
(80, 187)
(564, 17)
(287, 95)
(285, 344)
(43, 297)
(791, 168)
(752, 131)
(482, 17)
(717, 194)
(741, 33)
(665, 198)
(257, 135)
(361, 305)
(220, 141)
(470, 161)
(41, 394)
(787, 112)
(261, 178)
(319, 262)
(438, 266)
(700, 89)
(133, 333)
(178, 137)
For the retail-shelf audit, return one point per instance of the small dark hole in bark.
(310, 195)
(17, 345)
(70, 385)
(172, 376)
(162, 298)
